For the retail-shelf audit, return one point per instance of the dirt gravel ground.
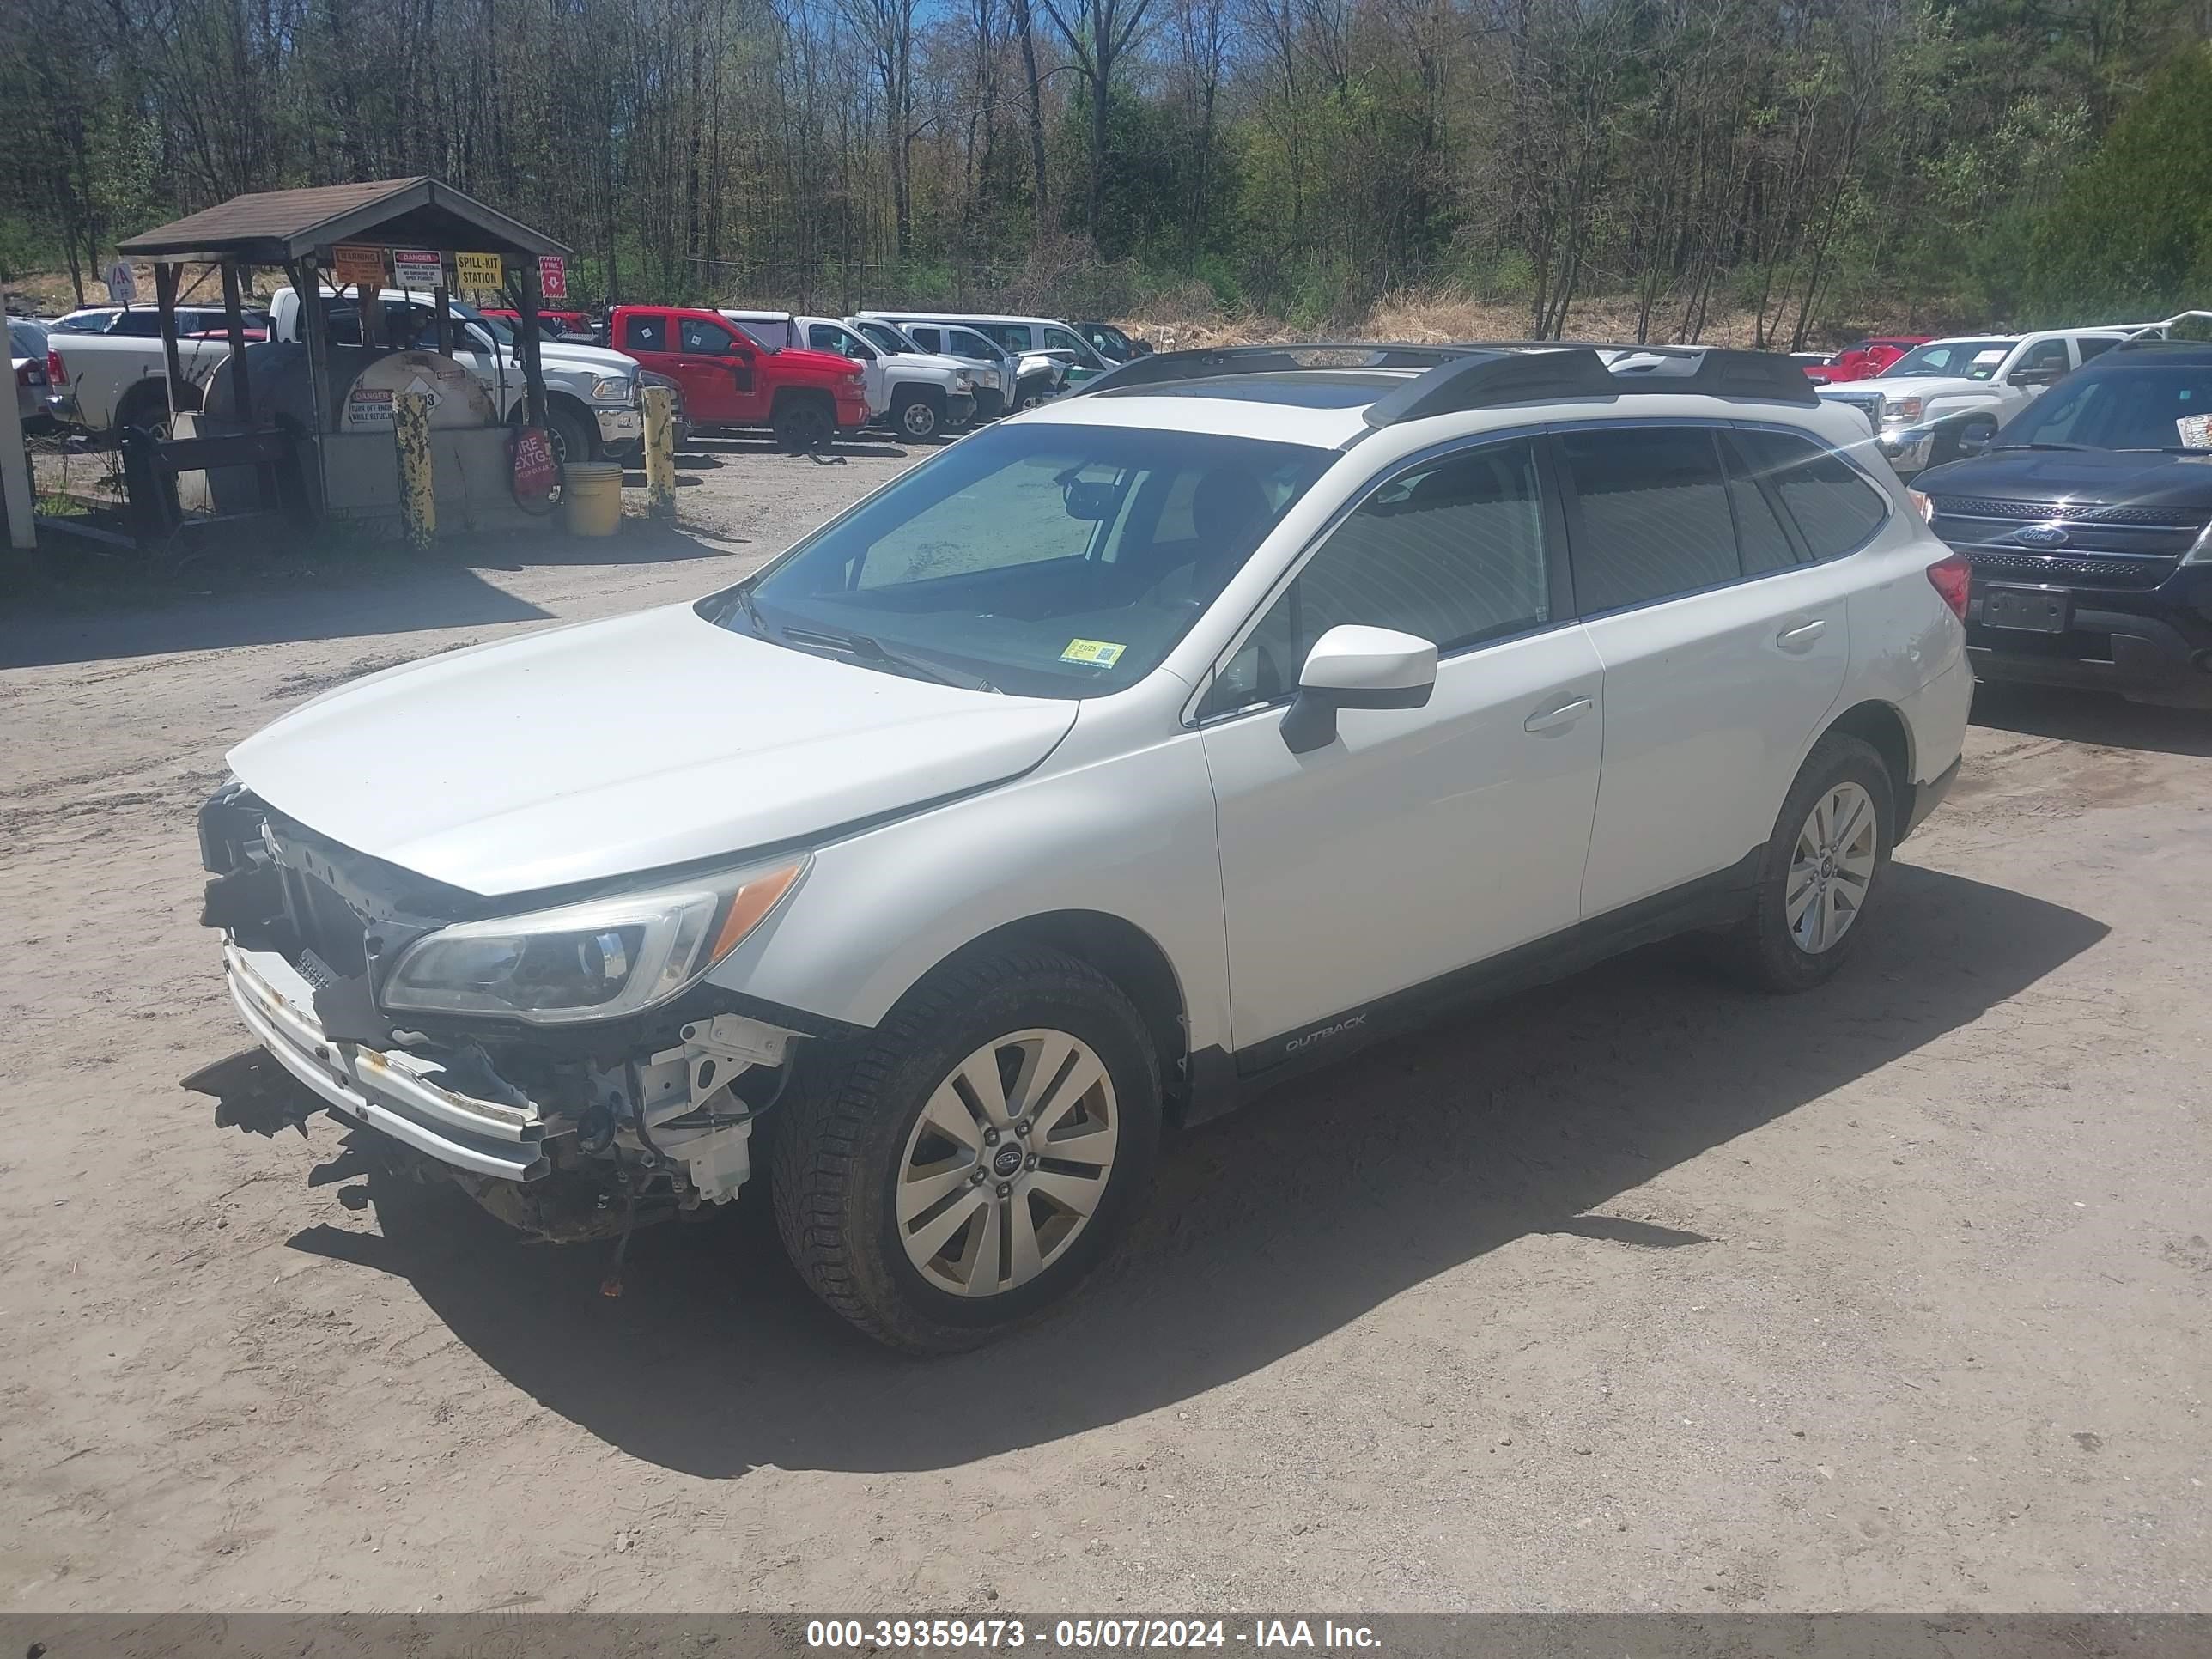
(1637, 1291)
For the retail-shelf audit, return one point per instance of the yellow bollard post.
(410, 431)
(659, 451)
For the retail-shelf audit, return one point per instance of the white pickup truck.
(1946, 399)
(916, 394)
(591, 394)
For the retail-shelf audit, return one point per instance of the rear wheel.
(1824, 864)
(802, 424)
(974, 1160)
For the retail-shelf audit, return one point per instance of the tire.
(1951, 446)
(803, 424)
(857, 1218)
(1027, 394)
(146, 408)
(1781, 951)
(918, 416)
(571, 438)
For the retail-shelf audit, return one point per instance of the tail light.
(56, 370)
(1951, 578)
(31, 375)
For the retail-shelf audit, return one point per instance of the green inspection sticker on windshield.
(1099, 653)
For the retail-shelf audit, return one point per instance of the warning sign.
(121, 282)
(417, 268)
(474, 271)
(357, 263)
(553, 276)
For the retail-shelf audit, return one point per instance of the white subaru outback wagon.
(1100, 771)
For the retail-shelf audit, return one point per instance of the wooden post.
(234, 317)
(441, 297)
(533, 374)
(410, 431)
(307, 282)
(660, 451)
(164, 301)
(16, 486)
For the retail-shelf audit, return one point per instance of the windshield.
(2136, 406)
(967, 342)
(499, 328)
(1971, 360)
(1046, 560)
(887, 339)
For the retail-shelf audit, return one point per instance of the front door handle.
(1558, 717)
(1800, 637)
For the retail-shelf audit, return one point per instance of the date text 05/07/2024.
(895, 1635)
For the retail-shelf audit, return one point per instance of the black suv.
(2090, 526)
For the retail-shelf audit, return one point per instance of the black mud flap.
(253, 1093)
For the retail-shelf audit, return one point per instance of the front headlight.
(614, 389)
(1901, 408)
(2200, 550)
(597, 960)
(963, 380)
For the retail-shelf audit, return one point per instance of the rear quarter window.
(1834, 506)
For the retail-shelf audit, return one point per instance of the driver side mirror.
(1975, 440)
(1353, 667)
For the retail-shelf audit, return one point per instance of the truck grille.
(1867, 404)
(2063, 572)
(1977, 507)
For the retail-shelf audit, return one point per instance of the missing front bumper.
(393, 1092)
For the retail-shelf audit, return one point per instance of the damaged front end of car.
(565, 1062)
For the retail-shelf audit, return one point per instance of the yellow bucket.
(592, 493)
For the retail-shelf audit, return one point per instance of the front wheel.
(1824, 864)
(802, 425)
(971, 1162)
(567, 434)
(919, 419)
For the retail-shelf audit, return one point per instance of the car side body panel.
(1102, 826)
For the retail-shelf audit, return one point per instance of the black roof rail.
(1480, 374)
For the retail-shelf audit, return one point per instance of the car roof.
(1359, 388)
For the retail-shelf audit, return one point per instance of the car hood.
(590, 359)
(2100, 477)
(612, 747)
(1920, 385)
(933, 360)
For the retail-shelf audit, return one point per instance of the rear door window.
(1655, 516)
(646, 332)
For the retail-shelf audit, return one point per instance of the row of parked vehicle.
(807, 379)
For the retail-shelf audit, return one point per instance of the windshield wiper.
(863, 647)
(744, 593)
(2079, 447)
(871, 649)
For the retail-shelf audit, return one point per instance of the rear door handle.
(1558, 717)
(1803, 635)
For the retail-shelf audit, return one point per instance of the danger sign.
(417, 268)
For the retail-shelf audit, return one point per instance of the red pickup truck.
(731, 379)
